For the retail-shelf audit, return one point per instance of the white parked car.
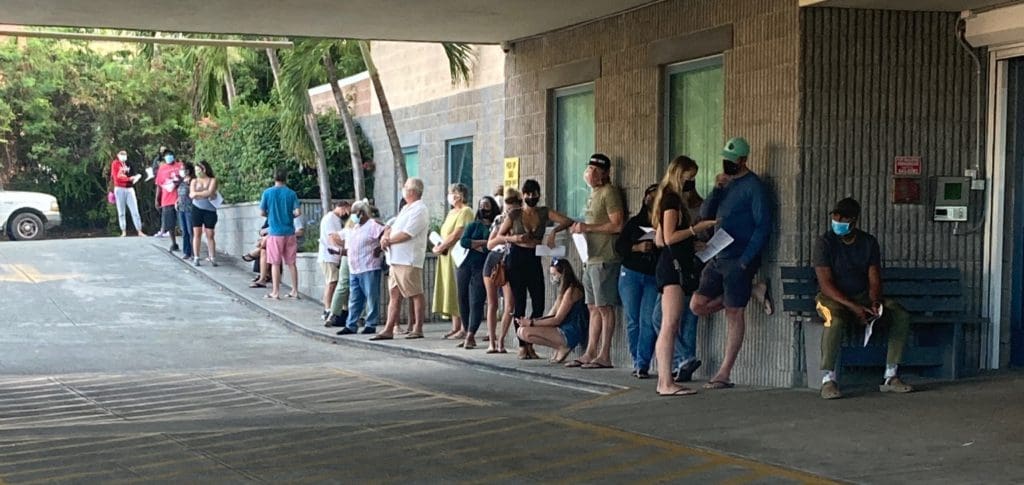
(26, 216)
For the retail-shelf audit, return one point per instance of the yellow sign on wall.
(512, 172)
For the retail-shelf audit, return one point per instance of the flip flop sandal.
(414, 335)
(493, 351)
(257, 285)
(575, 363)
(503, 351)
(248, 258)
(382, 337)
(291, 296)
(596, 365)
(461, 345)
(268, 296)
(719, 385)
(679, 392)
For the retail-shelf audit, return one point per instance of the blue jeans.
(364, 292)
(686, 340)
(639, 292)
(185, 218)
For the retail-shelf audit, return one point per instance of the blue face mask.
(840, 228)
(168, 158)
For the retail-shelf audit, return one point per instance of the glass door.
(1015, 160)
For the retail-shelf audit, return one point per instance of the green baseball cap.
(736, 149)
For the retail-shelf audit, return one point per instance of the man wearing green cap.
(740, 204)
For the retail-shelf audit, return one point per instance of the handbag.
(498, 276)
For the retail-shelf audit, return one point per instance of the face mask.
(181, 173)
(168, 158)
(484, 215)
(730, 168)
(840, 228)
(451, 200)
(689, 186)
(123, 158)
(532, 201)
(354, 219)
(556, 280)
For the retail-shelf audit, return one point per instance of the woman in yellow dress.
(446, 297)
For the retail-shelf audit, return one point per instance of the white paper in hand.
(581, 247)
(871, 325)
(555, 252)
(435, 238)
(718, 242)
(459, 254)
(648, 234)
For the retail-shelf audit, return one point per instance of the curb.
(570, 382)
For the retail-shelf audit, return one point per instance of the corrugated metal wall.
(876, 85)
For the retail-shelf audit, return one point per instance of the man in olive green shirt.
(605, 217)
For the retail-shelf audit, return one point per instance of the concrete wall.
(624, 56)
(477, 113)
(879, 84)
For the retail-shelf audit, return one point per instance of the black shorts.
(168, 218)
(491, 262)
(203, 218)
(726, 278)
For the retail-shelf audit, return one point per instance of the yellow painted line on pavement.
(745, 478)
(618, 468)
(523, 472)
(675, 475)
(610, 433)
(25, 273)
(597, 400)
(451, 397)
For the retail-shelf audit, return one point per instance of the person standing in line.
(204, 211)
(637, 286)
(470, 275)
(151, 172)
(362, 245)
(184, 208)
(676, 272)
(740, 204)
(166, 178)
(523, 230)
(446, 295)
(605, 217)
(498, 253)
(405, 242)
(280, 205)
(124, 193)
(329, 251)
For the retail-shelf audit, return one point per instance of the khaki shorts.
(601, 284)
(408, 280)
(330, 271)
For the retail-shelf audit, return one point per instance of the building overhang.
(473, 21)
(920, 5)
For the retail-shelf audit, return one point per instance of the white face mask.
(123, 158)
(556, 279)
(181, 173)
(451, 200)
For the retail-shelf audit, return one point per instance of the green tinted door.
(574, 143)
(695, 92)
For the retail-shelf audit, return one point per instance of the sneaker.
(368, 331)
(830, 390)
(641, 374)
(195, 261)
(346, 331)
(325, 315)
(685, 372)
(335, 321)
(174, 248)
(160, 235)
(894, 384)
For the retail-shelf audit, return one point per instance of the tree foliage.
(244, 148)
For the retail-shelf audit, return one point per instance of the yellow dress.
(446, 293)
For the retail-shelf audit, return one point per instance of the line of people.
(186, 195)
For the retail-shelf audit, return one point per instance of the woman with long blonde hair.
(676, 273)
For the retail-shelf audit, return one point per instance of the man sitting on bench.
(847, 263)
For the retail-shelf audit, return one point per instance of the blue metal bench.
(933, 296)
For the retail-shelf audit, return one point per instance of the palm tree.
(300, 133)
(355, 154)
(212, 79)
(460, 63)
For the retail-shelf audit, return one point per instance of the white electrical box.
(951, 194)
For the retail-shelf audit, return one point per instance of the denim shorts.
(574, 332)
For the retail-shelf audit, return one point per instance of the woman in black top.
(637, 286)
(524, 231)
(470, 274)
(676, 271)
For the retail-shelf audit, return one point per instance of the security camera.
(506, 47)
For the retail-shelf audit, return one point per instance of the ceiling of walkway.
(929, 5)
(476, 21)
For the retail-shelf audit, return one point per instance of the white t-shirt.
(414, 220)
(330, 224)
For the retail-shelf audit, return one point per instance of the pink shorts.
(282, 249)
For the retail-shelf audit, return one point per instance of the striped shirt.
(360, 242)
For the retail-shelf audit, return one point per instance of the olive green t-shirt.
(603, 200)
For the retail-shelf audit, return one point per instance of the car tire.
(26, 226)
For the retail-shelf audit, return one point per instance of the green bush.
(243, 145)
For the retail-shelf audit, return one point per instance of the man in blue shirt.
(740, 204)
(280, 205)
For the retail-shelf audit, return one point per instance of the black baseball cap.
(848, 208)
(601, 160)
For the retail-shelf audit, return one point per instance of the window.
(412, 161)
(695, 93)
(573, 145)
(460, 163)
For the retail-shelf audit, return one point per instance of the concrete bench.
(933, 296)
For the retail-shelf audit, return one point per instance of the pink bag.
(110, 197)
